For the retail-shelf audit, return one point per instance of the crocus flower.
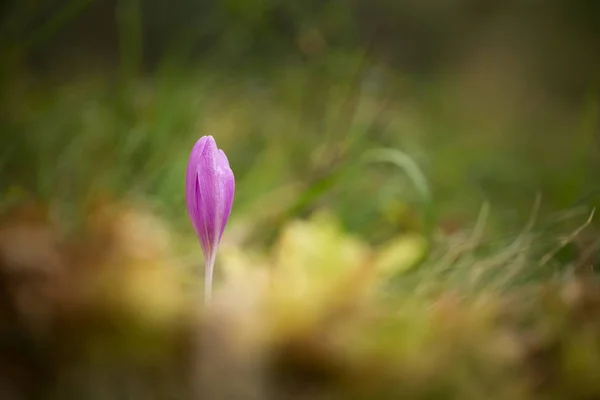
(209, 190)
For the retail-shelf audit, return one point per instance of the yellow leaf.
(401, 254)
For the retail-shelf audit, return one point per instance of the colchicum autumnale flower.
(209, 190)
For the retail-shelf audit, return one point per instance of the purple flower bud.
(209, 189)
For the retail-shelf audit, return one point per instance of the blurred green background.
(477, 102)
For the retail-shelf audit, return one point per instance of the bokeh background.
(492, 102)
(447, 137)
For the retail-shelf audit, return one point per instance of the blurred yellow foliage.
(151, 293)
(314, 268)
(313, 262)
(400, 254)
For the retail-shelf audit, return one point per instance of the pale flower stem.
(208, 278)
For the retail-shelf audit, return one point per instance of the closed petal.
(209, 195)
(191, 183)
(228, 182)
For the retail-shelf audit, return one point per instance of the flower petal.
(228, 182)
(191, 183)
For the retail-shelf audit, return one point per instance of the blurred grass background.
(493, 103)
(459, 136)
